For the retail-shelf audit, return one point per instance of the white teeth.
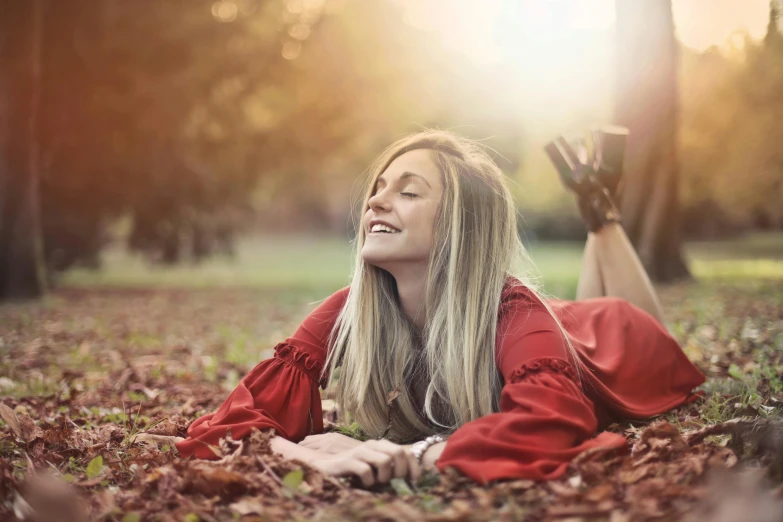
(382, 228)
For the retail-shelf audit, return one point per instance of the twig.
(277, 479)
(269, 470)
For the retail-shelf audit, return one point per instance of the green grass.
(755, 256)
(323, 263)
(269, 262)
(309, 263)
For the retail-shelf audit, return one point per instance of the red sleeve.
(279, 393)
(544, 421)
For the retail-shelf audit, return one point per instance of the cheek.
(429, 228)
(366, 218)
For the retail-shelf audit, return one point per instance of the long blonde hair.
(476, 248)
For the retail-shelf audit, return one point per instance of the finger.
(399, 458)
(414, 468)
(363, 471)
(380, 460)
(401, 467)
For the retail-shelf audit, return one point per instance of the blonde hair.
(477, 247)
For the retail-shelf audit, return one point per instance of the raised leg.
(590, 282)
(612, 267)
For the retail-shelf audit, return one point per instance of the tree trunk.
(647, 103)
(22, 272)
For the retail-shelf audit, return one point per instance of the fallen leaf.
(400, 486)
(9, 416)
(94, 468)
(293, 478)
(247, 506)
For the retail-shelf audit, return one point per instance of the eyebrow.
(406, 175)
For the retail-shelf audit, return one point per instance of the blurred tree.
(647, 103)
(773, 38)
(21, 256)
(152, 115)
(197, 118)
(731, 131)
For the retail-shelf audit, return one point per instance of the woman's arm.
(291, 450)
(330, 443)
(279, 393)
(430, 457)
(284, 447)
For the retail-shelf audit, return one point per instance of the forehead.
(418, 161)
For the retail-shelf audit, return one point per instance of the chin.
(376, 259)
(372, 259)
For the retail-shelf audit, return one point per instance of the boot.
(597, 206)
(593, 180)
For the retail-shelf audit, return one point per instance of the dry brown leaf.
(563, 490)
(631, 476)
(577, 510)
(247, 506)
(212, 481)
(600, 493)
(9, 416)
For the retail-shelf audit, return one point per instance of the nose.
(379, 200)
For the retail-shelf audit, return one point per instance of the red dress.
(629, 366)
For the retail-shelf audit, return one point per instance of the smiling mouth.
(381, 228)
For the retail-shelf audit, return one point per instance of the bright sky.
(701, 23)
(468, 24)
(549, 42)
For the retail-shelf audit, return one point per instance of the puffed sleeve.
(545, 419)
(279, 393)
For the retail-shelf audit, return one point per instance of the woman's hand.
(431, 456)
(330, 443)
(373, 461)
(159, 440)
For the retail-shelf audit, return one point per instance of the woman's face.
(406, 197)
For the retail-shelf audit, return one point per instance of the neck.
(410, 288)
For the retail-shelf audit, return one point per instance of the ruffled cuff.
(280, 393)
(301, 360)
(548, 364)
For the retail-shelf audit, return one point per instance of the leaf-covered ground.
(85, 372)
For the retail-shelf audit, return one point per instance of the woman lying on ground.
(499, 382)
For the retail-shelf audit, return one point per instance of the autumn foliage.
(93, 373)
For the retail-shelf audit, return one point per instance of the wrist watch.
(418, 448)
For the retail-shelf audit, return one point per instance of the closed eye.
(409, 194)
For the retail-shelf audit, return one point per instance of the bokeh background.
(204, 142)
